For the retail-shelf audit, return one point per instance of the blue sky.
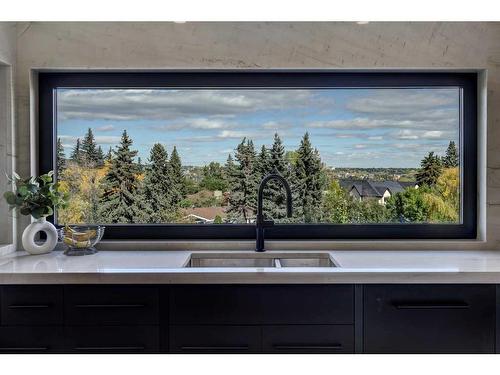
(350, 127)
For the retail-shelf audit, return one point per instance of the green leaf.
(10, 197)
(22, 190)
(25, 211)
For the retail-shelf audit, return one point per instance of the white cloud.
(402, 101)
(433, 134)
(100, 139)
(105, 128)
(161, 104)
(405, 134)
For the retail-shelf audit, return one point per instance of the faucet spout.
(261, 223)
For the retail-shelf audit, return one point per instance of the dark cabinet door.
(308, 339)
(112, 339)
(31, 339)
(111, 305)
(215, 339)
(31, 305)
(429, 318)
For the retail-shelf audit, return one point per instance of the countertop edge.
(367, 277)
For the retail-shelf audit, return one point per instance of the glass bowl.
(81, 239)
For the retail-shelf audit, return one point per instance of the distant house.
(203, 215)
(378, 190)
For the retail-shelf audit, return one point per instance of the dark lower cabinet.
(31, 339)
(308, 339)
(215, 339)
(429, 319)
(249, 319)
(112, 339)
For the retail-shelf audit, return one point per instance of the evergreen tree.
(264, 162)
(109, 155)
(276, 193)
(177, 177)
(76, 154)
(140, 167)
(430, 170)
(244, 182)
(263, 168)
(158, 187)
(120, 201)
(60, 157)
(451, 158)
(100, 157)
(89, 149)
(309, 182)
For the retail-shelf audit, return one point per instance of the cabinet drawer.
(429, 318)
(31, 339)
(31, 305)
(308, 339)
(215, 339)
(112, 339)
(256, 304)
(111, 305)
(214, 304)
(307, 304)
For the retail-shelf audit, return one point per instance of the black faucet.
(261, 222)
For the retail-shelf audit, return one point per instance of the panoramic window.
(196, 155)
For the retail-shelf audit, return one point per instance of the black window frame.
(48, 82)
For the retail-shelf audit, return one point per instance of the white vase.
(29, 235)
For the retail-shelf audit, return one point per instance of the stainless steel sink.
(260, 260)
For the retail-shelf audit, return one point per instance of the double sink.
(260, 260)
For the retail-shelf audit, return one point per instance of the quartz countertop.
(168, 267)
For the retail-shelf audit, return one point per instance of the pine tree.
(264, 162)
(244, 181)
(120, 201)
(90, 153)
(280, 164)
(100, 157)
(308, 182)
(76, 154)
(430, 170)
(178, 185)
(60, 157)
(140, 167)
(157, 191)
(109, 155)
(451, 158)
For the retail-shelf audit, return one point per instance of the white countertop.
(167, 267)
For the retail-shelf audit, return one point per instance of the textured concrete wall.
(270, 45)
(7, 61)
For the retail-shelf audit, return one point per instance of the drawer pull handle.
(83, 348)
(242, 347)
(33, 349)
(308, 347)
(110, 306)
(29, 306)
(431, 305)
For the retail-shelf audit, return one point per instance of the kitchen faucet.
(261, 223)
